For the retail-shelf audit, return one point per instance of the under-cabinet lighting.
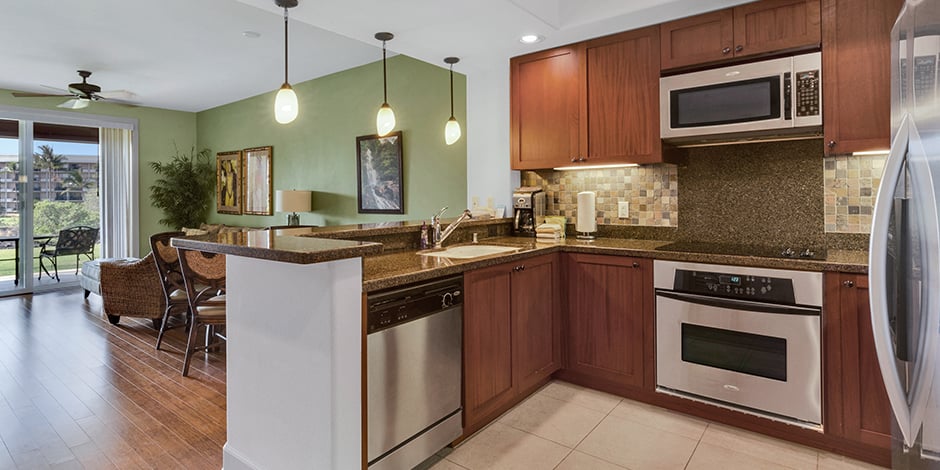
(595, 167)
(870, 152)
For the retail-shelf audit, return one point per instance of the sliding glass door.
(48, 194)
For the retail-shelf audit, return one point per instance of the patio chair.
(76, 241)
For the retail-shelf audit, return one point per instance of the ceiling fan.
(82, 94)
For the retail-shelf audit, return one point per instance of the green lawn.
(66, 263)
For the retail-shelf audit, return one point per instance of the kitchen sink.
(470, 251)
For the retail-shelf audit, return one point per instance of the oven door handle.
(734, 304)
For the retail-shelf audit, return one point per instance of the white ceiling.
(190, 55)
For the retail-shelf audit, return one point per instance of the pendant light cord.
(384, 77)
(451, 91)
(285, 45)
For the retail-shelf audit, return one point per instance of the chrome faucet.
(438, 235)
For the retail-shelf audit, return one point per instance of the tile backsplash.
(651, 190)
(851, 184)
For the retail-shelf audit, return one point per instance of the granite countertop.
(395, 269)
(279, 245)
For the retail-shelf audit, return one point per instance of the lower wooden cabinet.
(512, 334)
(856, 404)
(609, 322)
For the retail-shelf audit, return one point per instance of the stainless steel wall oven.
(749, 338)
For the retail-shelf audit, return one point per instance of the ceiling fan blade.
(22, 94)
(121, 102)
(75, 103)
(60, 90)
(117, 95)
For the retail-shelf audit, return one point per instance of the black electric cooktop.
(761, 251)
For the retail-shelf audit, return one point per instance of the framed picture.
(379, 166)
(228, 170)
(256, 181)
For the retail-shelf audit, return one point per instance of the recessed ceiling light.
(251, 34)
(531, 39)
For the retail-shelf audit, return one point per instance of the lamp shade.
(292, 201)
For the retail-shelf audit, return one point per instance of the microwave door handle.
(787, 97)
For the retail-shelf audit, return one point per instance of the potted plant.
(184, 187)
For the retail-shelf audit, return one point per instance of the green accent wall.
(160, 132)
(317, 151)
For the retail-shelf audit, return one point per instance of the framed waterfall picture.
(228, 184)
(256, 181)
(379, 170)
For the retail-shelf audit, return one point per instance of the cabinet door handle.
(574, 159)
(636, 265)
(848, 283)
(738, 48)
(726, 50)
(522, 268)
(831, 144)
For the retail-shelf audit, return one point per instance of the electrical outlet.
(623, 209)
(475, 202)
(489, 202)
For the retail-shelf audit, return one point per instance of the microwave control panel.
(807, 93)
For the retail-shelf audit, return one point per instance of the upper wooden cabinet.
(620, 108)
(755, 28)
(544, 108)
(595, 102)
(857, 74)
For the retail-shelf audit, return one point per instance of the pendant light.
(452, 128)
(285, 103)
(385, 119)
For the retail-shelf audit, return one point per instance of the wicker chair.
(204, 277)
(131, 288)
(166, 259)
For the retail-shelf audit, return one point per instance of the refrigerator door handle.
(878, 284)
(908, 403)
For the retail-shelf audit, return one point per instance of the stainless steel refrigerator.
(904, 257)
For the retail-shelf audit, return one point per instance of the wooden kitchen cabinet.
(756, 28)
(544, 108)
(596, 102)
(856, 74)
(512, 335)
(609, 322)
(620, 109)
(856, 404)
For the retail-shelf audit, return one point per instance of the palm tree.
(47, 162)
(74, 181)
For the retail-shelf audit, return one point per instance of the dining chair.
(171, 280)
(204, 277)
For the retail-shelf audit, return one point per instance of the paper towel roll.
(587, 215)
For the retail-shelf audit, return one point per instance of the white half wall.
(488, 173)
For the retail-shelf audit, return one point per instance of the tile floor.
(567, 427)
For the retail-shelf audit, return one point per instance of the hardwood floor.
(78, 392)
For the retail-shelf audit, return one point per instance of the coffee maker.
(528, 204)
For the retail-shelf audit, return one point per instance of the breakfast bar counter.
(294, 349)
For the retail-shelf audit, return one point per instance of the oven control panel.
(737, 286)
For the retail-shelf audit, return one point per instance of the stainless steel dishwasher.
(414, 372)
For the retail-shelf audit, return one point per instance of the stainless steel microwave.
(770, 98)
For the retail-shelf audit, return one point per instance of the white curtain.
(118, 194)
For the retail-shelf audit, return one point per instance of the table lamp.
(292, 201)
